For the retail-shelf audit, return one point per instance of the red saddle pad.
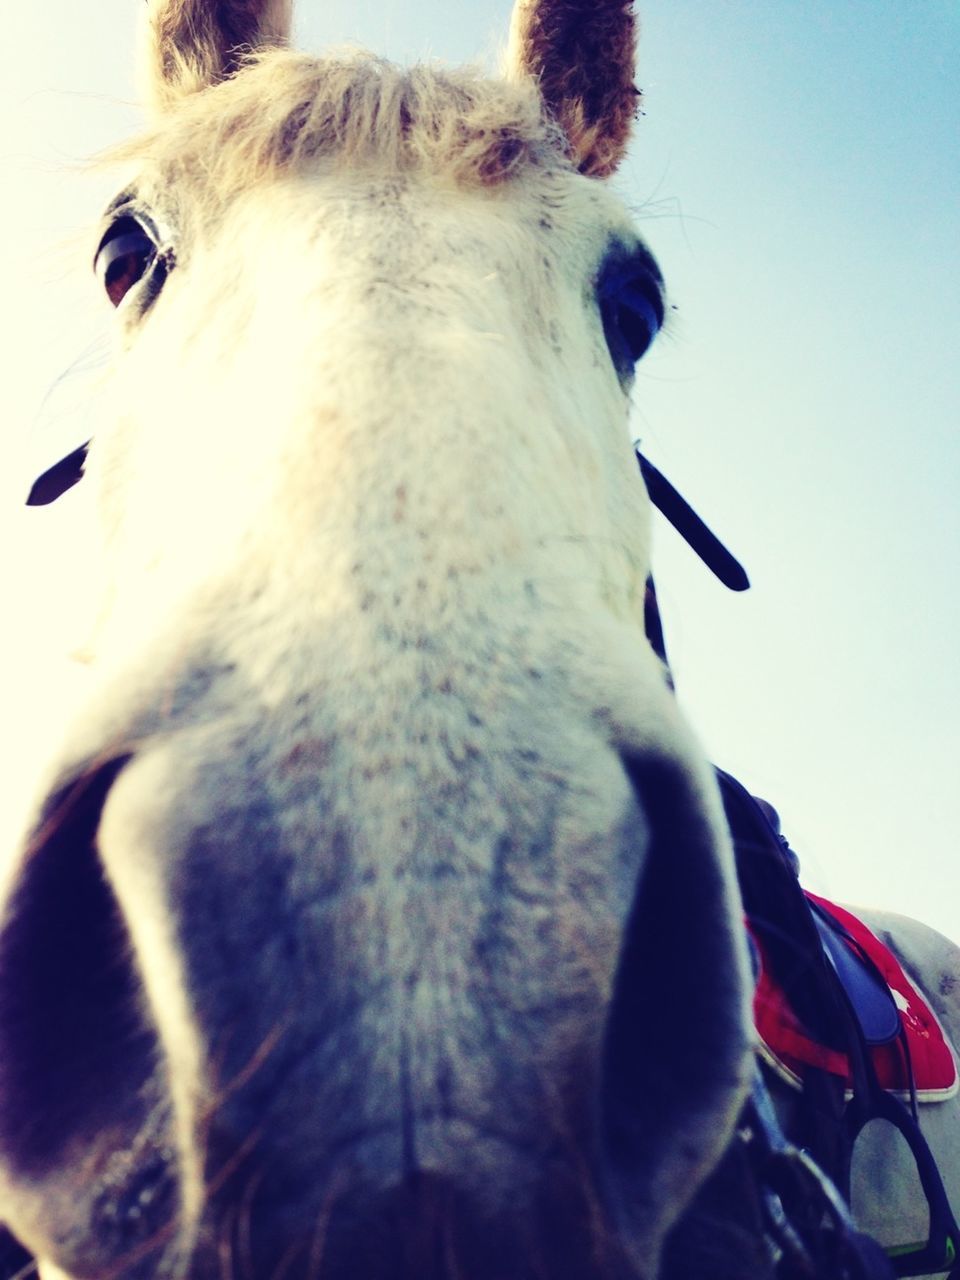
(786, 1046)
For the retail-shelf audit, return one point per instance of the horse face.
(348, 941)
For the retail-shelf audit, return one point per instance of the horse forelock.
(285, 110)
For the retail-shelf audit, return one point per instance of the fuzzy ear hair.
(583, 55)
(190, 44)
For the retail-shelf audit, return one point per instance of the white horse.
(352, 934)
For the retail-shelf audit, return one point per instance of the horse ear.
(191, 44)
(583, 55)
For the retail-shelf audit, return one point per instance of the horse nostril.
(81, 1092)
(677, 1051)
(67, 994)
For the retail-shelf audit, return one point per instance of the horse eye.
(126, 253)
(631, 307)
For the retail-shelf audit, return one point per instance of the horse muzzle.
(244, 1031)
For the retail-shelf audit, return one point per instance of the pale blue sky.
(797, 173)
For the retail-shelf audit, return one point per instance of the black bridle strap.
(56, 480)
(809, 1227)
(63, 475)
(691, 528)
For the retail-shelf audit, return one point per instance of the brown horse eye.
(126, 253)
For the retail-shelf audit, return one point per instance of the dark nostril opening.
(14, 1259)
(72, 1036)
(677, 1043)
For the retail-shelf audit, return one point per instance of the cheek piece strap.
(63, 475)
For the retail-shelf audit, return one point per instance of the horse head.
(378, 919)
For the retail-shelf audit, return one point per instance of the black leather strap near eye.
(56, 480)
(691, 528)
(63, 475)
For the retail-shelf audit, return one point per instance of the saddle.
(907, 1045)
(839, 1020)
